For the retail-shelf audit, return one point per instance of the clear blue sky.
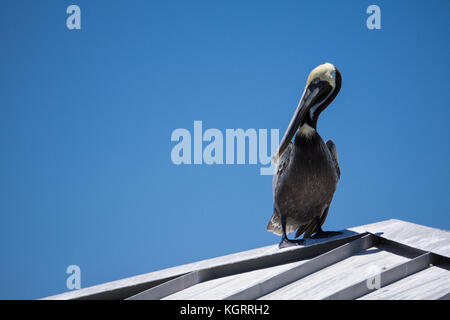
(86, 117)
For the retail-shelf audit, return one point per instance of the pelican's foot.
(290, 243)
(325, 234)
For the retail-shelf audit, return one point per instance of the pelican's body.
(307, 169)
(304, 184)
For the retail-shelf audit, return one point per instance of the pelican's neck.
(306, 131)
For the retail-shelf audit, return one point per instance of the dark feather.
(332, 147)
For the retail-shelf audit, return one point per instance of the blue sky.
(86, 118)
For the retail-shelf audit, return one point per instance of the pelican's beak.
(310, 105)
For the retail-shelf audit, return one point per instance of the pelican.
(307, 169)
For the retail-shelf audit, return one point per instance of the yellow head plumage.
(325, 72)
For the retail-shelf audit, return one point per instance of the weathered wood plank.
(411, 234)
(430, 284)
(347, 272)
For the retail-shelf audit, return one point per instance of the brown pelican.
(307, 170)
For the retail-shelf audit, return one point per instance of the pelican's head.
(322, 86)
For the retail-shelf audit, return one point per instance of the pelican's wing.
(334, 154)
(283, 162)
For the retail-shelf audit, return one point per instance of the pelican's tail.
(275, 224)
